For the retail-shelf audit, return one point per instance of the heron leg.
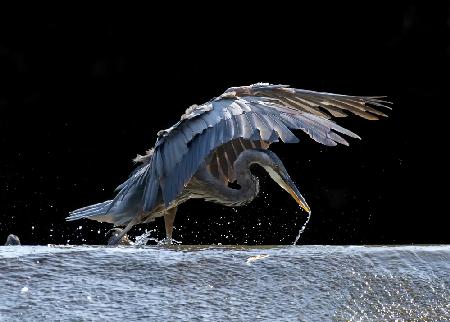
(114, 241)
(169, 218)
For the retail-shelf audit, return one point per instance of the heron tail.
(99, 209)
(120, 210)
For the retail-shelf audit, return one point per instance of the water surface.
(283, 283)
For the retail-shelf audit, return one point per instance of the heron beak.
(290, 187)
(283, 179)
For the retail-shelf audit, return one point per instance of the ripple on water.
(218, 283)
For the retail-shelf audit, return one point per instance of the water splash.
(143, 239)
(302, 229)
(169, 241)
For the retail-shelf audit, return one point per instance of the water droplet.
(302, 229)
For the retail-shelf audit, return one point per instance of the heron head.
(276, 170)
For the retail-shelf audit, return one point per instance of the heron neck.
(248, 182)
(218, 191)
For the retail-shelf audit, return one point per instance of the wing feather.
(249, 116)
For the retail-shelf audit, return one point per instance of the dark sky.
(80, 97)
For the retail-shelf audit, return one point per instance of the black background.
(81, 96)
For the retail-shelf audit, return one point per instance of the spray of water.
(302, 229)
(169, 241)
(144, 238)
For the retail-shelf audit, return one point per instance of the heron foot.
(115, 239)
(168, 241)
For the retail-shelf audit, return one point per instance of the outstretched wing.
(260, 112)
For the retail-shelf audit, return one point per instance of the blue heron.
(215, 144)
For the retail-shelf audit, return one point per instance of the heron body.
(216, 143)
